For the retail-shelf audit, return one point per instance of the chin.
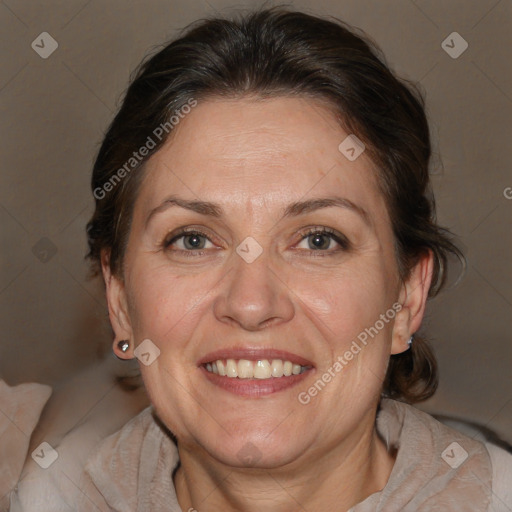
(253, 455)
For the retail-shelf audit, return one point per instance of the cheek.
(164, 304)
(346, 309)
(348, 300)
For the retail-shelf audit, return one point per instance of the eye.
(192, 242)
(321, 239)
(188, 240)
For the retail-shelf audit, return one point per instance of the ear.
(413, 299)
(117, 308)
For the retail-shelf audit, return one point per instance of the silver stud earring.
(410, 340)
(123, 346)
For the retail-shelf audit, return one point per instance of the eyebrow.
(292, 210)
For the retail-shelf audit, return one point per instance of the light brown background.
(53, 114)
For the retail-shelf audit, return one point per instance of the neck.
(337, 479)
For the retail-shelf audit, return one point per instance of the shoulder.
(21, 406)
(111, 476)
(124, 446)
(435, 464)
(501, 461)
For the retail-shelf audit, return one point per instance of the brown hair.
(275, 52)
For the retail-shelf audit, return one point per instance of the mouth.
(254, 373)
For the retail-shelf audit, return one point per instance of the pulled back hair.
(270, 53)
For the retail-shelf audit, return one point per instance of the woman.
(266, 234)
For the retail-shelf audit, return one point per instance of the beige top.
(20, 408)
(436, 468)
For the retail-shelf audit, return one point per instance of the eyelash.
(338, 238)
(334, 235)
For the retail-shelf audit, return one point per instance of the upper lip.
(255, 354)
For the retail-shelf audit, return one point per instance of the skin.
(253, 158)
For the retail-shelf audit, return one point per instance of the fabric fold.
(20, 409)
(436, 467)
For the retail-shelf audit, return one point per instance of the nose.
(253, 296)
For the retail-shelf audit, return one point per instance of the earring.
(123, 345)
(410, 340)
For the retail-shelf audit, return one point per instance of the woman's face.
(261, 281)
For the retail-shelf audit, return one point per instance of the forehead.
(260, 152)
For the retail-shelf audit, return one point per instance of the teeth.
(277, 368)
(231, 369)
(261, 369)
(220, 368)
(245, 369)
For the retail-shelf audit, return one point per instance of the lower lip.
(254, 387)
